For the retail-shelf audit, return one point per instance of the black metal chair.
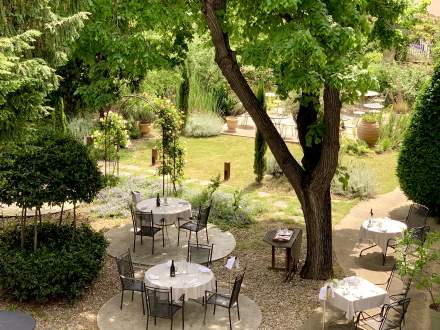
(417, 233)
(390, 317)
(143, 225)
(160, 304)
(200, 254)
(136, 197)
(417, 216)
(225, 301)
(396, 287)
(195, 224)
(128, 280)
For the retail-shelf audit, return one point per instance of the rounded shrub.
(419, 160)
(203, 124)
(66, 262)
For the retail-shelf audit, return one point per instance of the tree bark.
(311, 181)
(35, 229)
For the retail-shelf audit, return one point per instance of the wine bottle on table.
(172, 269)
(157, 200)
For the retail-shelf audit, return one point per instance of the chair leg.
(230, 322)
(171, 323)
(163, 237)
(143, 304)
(122, 298)
(148, 319)
(132, 295)
(183, 316)
(238, 311)
(155, 319)
(178, 236)
(207, 238)
(141, 238)
(204, 317)
(197, 238)
(214, 308)
(152, 249)
(134, 243)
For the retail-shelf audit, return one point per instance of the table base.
(290, 260)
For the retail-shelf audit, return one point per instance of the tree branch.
(227, 63)
(324, 171)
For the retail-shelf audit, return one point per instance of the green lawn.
(205, 158)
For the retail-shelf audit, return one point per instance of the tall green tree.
(313, 47)
(260, 145)
(419, 159)
(183, 95)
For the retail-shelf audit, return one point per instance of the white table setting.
(353, 294)
(380, 231)
(170, 209)
(191, 279)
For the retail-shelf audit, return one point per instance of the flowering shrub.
(113, 134)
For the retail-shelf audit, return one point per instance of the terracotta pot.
(232, 123)
(145, 128)
(400, 107)
(435, 318)
(368, 132)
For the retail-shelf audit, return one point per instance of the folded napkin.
(153, 277)
(204, 269)
(283, 235)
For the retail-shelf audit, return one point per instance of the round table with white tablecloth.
(380, 230)
(191, 279)
(175, 208)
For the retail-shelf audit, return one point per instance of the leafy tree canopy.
(309, 43)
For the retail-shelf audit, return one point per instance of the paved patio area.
(121, 239)
(346, 247)
(110, 317)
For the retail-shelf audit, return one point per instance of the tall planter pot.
(145, 128)
(368, 132)
(232, 123)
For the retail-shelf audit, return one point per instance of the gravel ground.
(284, 305)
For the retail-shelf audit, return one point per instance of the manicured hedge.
(65, 263)
(419, 160)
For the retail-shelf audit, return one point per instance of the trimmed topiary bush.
(65, 263)
(418, 166)
(260, 144)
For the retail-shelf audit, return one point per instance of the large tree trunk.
(317, 214)
(312, 180)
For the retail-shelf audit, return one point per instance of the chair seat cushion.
(147, 231)
(192, 226)
(164, 310)
(219, 300)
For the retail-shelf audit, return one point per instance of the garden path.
(346, 247)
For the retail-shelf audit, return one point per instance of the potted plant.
(368, 129)
(145, 115)
(421, 262)
(232, 117)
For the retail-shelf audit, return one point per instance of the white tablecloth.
(355, 294)
(191, 279)
(380, 230)
(176, 208)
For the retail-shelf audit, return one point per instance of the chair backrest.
(200, 253)
(395, 283)
(202, 220)
(143, 219)
(417, 216)
(125, 265)
(159, 301)
(394, 313)
(136, 197)
(236, 289)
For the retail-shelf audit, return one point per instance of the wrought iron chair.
(136, 197)
(396, 290)
(160, 304)
(225, 301)
(128, 280)
(417, 216)
(195, 224)
(143, 225)
(418, 233)
(390, 317)
(200, 254)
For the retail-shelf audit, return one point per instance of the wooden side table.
(293, 250)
